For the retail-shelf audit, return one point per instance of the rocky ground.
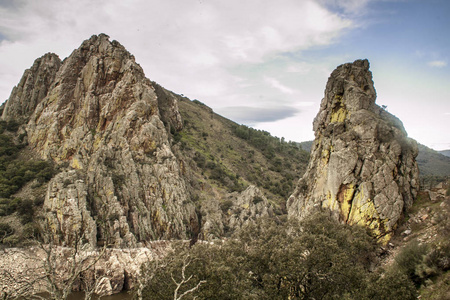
(423, 221)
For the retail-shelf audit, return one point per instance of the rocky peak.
(362, 164)
(32, 88)
(103, 122)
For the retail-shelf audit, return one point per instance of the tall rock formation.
(102, 122)
(362, 164)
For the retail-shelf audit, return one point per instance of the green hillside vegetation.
(432, 162)
(16, 172)
(306, 145)
(424, 257)
(230, 157)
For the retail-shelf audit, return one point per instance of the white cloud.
(273, 82)
(437, 63)
(188, 46)
(254, 115)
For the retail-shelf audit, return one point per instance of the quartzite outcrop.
(362, 164)
(101, 120)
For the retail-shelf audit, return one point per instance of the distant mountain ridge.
(445, 152)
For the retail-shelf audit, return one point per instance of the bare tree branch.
(187, 261)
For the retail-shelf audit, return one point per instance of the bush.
(257, 199)
(226, 205)
(25, 210)
(5, 231)
(435, 262)
(392, 284)
(31, 231)
(410, 258)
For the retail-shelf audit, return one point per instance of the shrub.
(410, 258)
(257, 199)
(392, 284)
(5, 231)
(25, 210)
(226, 205)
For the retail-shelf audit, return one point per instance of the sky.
(262, 63)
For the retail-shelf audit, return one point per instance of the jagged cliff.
(128, 169)
(32, 88)
(101, 117)
(362, 164)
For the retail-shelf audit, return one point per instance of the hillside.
(432, 163)
(243, 155)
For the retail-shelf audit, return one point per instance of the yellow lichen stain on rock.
(364, 213)
(339, 115)
(330, 202)
(345, 199)
(385, 239)
(76, 164)
(325, 156)
(339, 112)
(245, 205)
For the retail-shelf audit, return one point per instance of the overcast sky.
(263, 63)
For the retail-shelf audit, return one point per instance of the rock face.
(362, 164)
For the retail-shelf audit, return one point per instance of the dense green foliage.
(424, 264)
(314, 259)
(15, 172)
